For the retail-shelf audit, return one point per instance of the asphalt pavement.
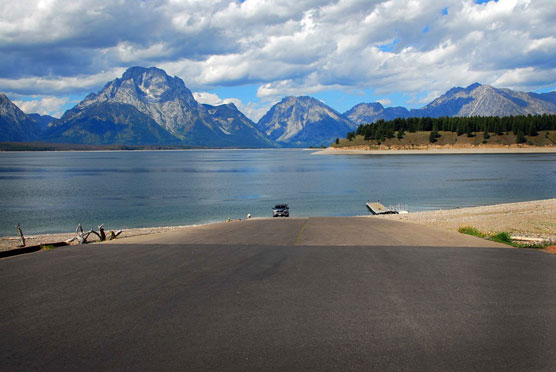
(379, 301)
(325, 231)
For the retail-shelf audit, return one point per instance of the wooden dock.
(377, 208)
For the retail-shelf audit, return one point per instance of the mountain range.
(148, 107)
(474, 100)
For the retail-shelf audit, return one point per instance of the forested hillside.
(538, 130)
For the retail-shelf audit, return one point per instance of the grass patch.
(47, 247)
(501, 237)
(471, 231)
(505, 238)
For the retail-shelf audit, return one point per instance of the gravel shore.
(533, 219)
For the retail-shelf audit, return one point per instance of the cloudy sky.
(254, 52)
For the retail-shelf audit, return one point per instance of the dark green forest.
(521, 126)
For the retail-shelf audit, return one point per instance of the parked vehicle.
(281, 210)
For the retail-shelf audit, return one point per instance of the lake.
(54, 191)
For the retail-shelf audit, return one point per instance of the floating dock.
(378, 208)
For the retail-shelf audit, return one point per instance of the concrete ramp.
(375, 231)
(321, 231)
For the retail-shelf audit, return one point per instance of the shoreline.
(534, 219)
(151, 150)
(159, 149)
(13, 241)
(438, 151)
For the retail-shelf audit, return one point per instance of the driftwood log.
(82, 236)
(114, 235)
(21, 235)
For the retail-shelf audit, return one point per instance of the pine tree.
(469, 131)
(532, 130)
(390, 133)
(520, 137)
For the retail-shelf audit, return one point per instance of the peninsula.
(452, 135)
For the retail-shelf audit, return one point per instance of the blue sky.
(255, 52)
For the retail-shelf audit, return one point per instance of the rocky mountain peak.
(9, 109)
(303, 121)
(300, 99)
(231, 105)
(371, 112)
(150, 90)
(15, 125)
(309, 108)
(146, 85)
(154, 85)
(369, 108)
(474, 86)
(304, 101)
(138, 72)
(459, 90)
(482, 89)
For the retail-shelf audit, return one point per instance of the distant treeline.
(520, 125)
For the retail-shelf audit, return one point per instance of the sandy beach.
(438, 150)
(534, 219)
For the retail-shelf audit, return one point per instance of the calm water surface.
(54, 191)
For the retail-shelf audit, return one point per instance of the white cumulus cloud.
(285, 46)
(43, 105)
